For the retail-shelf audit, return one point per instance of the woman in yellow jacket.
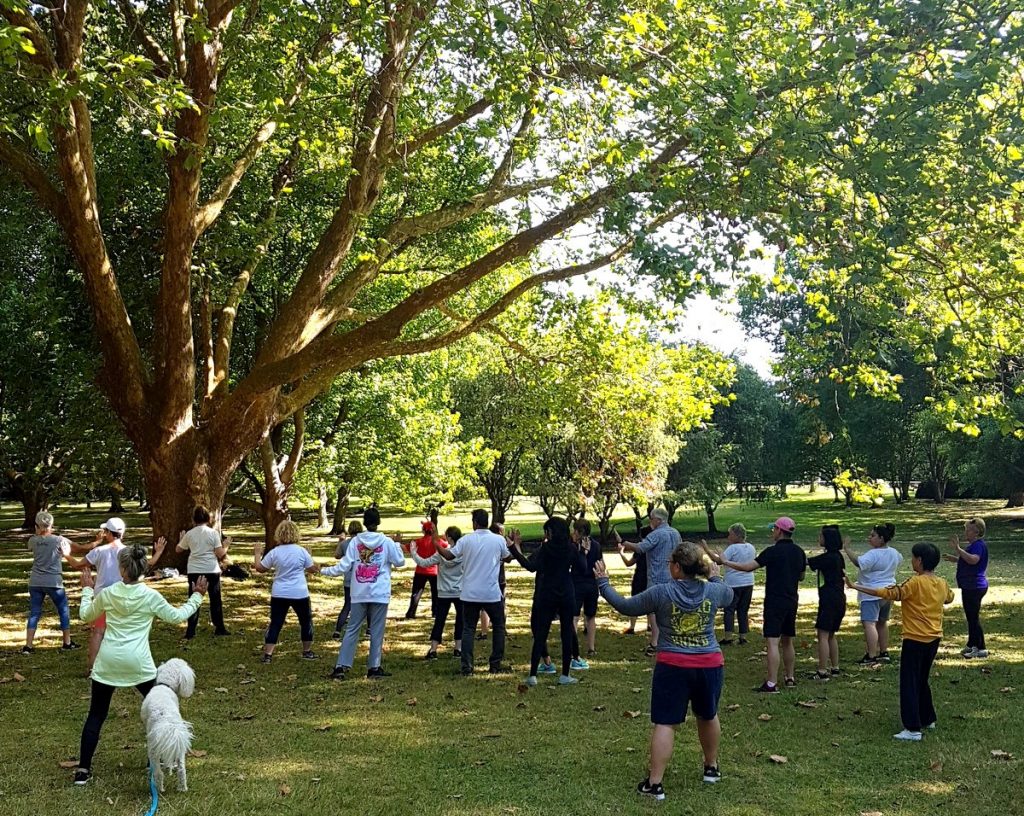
(124, 659)
(922, 598)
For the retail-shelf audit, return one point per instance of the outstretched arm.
(741, 566)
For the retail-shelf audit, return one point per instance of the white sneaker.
(567, 680)
(909, 736)
(930, 726)
(531, 680)
(980, 653)
(970, 653)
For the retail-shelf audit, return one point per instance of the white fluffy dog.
(168, 736)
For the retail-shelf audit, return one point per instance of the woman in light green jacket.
(124, 659)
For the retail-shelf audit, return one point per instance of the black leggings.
(545, 608)
(441, 610)
(216, 605)
(279, 610)
(99, 706)
(916, 708)
(740, 606)
(972, 611)
(419, 582)
(339, 627)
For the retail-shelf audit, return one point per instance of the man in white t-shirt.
(205, 549)
(482, 554)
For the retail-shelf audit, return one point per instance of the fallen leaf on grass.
(247, 682)
(636, 690)
(243, 716)
(377, 698)
(764, 717)
(196, 753)
(778, 759)
(315, 780)
(522, 688)
(325, 727)
(807, 704)
(411, 701)
(997, 754)
(632, 715)
(480, 762)
(985, 670)
(871, 813)
(520, 705)
(110, 801)
(494, 735)
(600, 708)
(18, 678)
(835, 744)
(630, 750)
(1006, 690)
(69, 763)
(284, 790)
(221, 690)
(449, 696)
(935, 765)
(293, 677)
(733, 707)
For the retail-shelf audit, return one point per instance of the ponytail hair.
(133, 562)
(830, 538)
(690, 560)
(886, 531)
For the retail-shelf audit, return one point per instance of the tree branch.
(149, 45)
(32, 175)
(425, 137)
(295, 455)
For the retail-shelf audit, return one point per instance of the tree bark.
(321, 493)
(710, 512)
(33, 500)
(341, 509)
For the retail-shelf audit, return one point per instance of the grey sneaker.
(567, 680)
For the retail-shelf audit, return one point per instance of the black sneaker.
(457, 654)
(68, 647)
(310, 655)
(464, 673)
(338, 673)
(645, 788)
(790, 682)
(867, 660)
(765, 688)
(336, 635)
(266, 658)
(377, 673)
(28, 649)
(835, 671)
(651, 651)
(501, 668)
(82, 775)
(430, 655)
(743, 641)
(222, 633)
(712, 774)
(725, 641)
(883, 657)
(482, 636)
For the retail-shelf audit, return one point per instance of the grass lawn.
(284, 739)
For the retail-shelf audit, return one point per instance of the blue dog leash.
(152, 792)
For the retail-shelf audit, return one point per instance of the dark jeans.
(346, 610)
(441, 610)
(740, 608)
(471, 612)
(419, 582)
(972, 611)
(216, 603)
(916, 708)
(545, 608)
(279, 610)
(99, 706)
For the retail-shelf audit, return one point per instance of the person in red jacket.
(423, 575)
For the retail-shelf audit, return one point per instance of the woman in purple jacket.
(971, 566)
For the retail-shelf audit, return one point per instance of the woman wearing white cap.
(102, 556)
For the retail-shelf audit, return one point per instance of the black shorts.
(831, 610)
(674, 689)
(586, 599)
(779, 621)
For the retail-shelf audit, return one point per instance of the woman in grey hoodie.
(689, 667)
(449, 587)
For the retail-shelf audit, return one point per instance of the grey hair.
(44, 520)
(738, 530)
(660, 513)
(133, 562)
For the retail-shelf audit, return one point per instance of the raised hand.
(201, 585)
(714, 571)
(87, 579)
(600, 571)
(954, 544)
(159, 545)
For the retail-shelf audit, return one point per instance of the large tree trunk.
(1016, 499)
(34, 499)
(710, 513)
(341, 509)
(321, 495)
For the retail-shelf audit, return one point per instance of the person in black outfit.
(785, 564)
(829, 566)
(588, 553)
(553, 593)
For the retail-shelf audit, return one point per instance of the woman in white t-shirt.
(290, 562)
(205, 550)
(742, 583)
(877, 570)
